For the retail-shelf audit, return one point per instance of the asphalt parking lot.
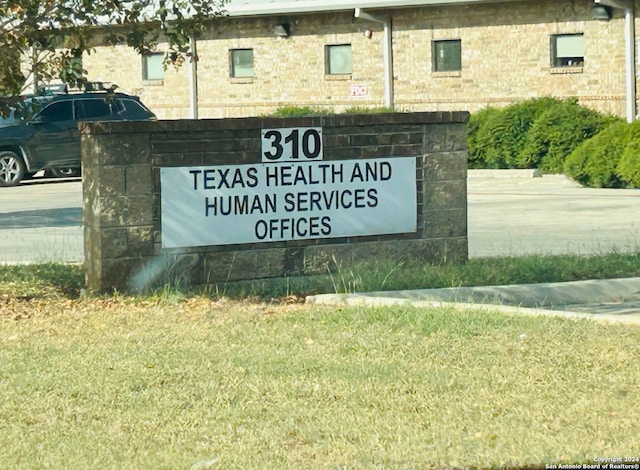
(510, 213)
(41, 220)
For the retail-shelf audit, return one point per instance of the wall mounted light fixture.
(601, 12)
(282, 30)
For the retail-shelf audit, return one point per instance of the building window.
(153, 66)
(338, 59)
(241, 63)
(447, 55)
(567, 50)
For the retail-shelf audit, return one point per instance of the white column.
(193, 80)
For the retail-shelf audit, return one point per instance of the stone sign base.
(125, 203)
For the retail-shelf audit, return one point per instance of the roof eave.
(315, 6)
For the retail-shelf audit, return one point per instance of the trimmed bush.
(299, 111)
(537, 133)
(594, 162)
(497, 136)
(369, 110)
(305, 111)
(629, 165)
(557, 132)
(478, 141)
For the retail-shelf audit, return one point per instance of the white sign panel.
(229, 204)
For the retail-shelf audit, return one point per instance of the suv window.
(57, 112)
(133, 109)
(92, 108)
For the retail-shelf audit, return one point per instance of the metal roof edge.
(314, 6)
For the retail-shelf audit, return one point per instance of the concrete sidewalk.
(614, 300)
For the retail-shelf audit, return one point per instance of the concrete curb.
(506, 309)
(531, 299)
(503, 173)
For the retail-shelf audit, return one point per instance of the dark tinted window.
(57, 112)
(447, 55)
(92, 109)
(134, 110)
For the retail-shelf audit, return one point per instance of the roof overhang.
(279, 7)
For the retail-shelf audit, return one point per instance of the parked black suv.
(50, 140)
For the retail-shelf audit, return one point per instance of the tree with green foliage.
(42, 40)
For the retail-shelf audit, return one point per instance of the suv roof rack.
(53, 89)
(100, 86)
(88, 87)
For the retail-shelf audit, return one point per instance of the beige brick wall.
(506, 55)
(505, 58)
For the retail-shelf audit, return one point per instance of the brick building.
(414, 55)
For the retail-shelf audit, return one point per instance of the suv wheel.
(12, 168)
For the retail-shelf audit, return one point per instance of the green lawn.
(190, 382)
(51, 280)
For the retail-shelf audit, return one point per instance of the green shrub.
(629, 165)
(498, 136)
(368, 110)
(594, 162)
(304, 111)
(537, 133)
(557, 132)
(299, 111)
(476, 145)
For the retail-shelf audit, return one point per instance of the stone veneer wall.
(122, 195)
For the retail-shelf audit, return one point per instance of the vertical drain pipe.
(387, 51)
(193, 80)
(629, 48)
(630, 62)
